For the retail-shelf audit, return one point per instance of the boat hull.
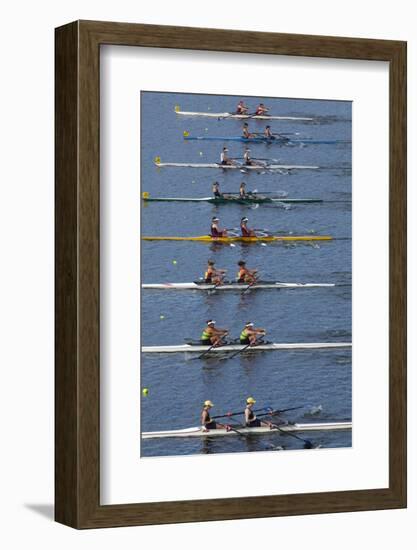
(266, 239)
(231, 286)
(232, 200)
(243, 117)
(276, 141)
(198, 432)
(235, 166)
(195, 348)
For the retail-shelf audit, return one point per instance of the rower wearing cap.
(212, 336)
(261, 110)
(245, 231)
(250, 418)
(241, 108)
(213, 275)
(216, 190)
(245, 131)
(207, 423)
(215, 230)
(249, 335)
(245, 275)
(224, 159)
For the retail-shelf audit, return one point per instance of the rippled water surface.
(319, 380)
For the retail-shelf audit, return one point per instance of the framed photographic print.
(230, 274)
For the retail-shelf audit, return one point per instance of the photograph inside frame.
(246, 274)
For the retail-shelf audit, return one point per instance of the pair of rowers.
(266, 134)
(216, 231)
(243, 109)
(215, 276)
(208, 423)
(243, 194)
(212, 336)
(225, 160)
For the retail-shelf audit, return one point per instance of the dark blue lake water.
(178, 384)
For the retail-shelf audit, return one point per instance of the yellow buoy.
(145, 195)
(177, 108)
(145, 391)
(174, 262)
(162, 316)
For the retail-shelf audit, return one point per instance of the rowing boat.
(231, 286)
(239, 347)
(240, 117)
(262, 139)
(235, 166)
(198, 432)
(260, 238)
(231, 198)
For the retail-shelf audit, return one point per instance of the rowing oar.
(237, 352)
(307, 444)
(278, 411)
(242, 350)
(227, 415)
(279, 135)
(228, 116)
(257, 158)
(231, 428)
(248, 115)
(249, 286)
(210, 348)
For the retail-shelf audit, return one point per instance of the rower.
(242, 191)
(249, 335)
(212, 336)
(250, 418)
(245, 275)
(212, 275)
(224, 159)
(245, 231)
(245, 131)
(206, 422)
(261, 110)
(216, 190)
(241, 108)
(215, 231)
(246, 158)
(268, 133)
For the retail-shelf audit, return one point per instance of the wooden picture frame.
(77, 274)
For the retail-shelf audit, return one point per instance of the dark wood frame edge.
(77, 380)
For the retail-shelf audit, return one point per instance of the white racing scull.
(241, 117)
(198, 432)
(239, 166)
(239, 347)
(231, 286)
